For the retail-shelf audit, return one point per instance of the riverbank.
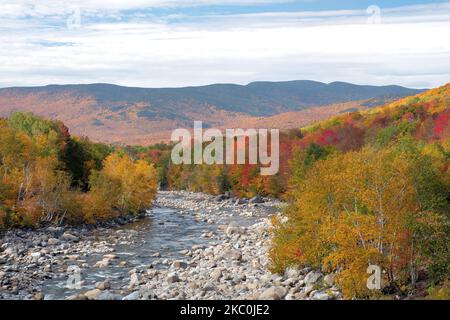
(190, 246)
(236, 267)
(30, 258)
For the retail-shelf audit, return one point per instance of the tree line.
(48, 176)
(366, 188)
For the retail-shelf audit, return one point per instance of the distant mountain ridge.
(256, 98)
(115, 113)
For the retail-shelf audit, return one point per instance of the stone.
(69, 237)
(132, 296)
(108, 295)
(234, 228)
(209, 287)
(193, 285)
(329, 279)
(104, 285)
(146, 293)
(172, 277)
(122, 264)
(313, 277)
(320, 296)
(55, 230)
(73, 257)
(220, 198)
(289, 282)
(256, 199)
(92, 294)
(300, 296)
(35, 256)
(77, 297)
(291, 272)
(216, 275)
(179, 264)
(102, 264)
(308, 289)
(53, 241)
(233, 255)
(39, 296)
(290, 296)
(134, 280)
(8, 251)
(273, 293)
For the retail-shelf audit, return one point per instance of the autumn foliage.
(368, 187)
(380, 199)
(47, 176)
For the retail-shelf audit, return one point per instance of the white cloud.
(20, 8)
(407, 48)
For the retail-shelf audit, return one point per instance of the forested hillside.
(115, 114)
(370, 187)
(422, 119)
(46, 175)
(363, 188)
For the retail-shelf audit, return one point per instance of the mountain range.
(127, 115)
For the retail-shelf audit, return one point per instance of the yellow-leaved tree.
(354, 210)
(123, 186)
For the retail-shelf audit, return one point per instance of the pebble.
(231, 263)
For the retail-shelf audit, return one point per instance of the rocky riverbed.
(189, 246)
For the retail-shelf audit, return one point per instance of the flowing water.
(164, 230)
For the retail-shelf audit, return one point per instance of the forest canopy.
(48, 176)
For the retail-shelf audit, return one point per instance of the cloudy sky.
(161, 43)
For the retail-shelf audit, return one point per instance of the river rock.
(320, 296)
(233, 255)
(35, 256)
(308, 289)
(179, 264)
(39, 296)
(102, 264)
(132, 296)
(53, 241)
(92, 294)
(108, 295)
(256, 199)
(216, 275)
(8, 251)
(193, 285)
(274, 293)
(313, 277)
(104, 285)
(221, 197)
(329, 279)
(122, 264)
(69, 237)
(172, 277)
(234, 228)
(240, 201)
(134, 280)
(291, 272)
